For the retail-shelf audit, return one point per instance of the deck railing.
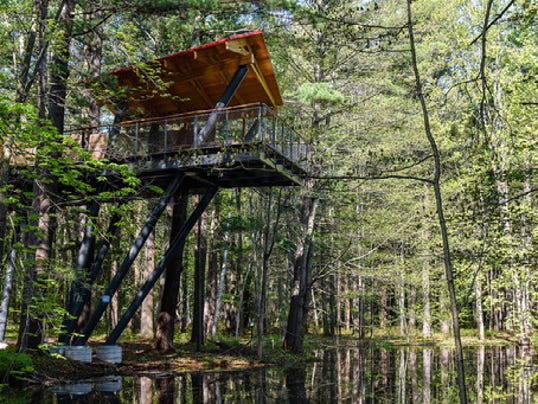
(255, 125)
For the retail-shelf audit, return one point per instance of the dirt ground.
(141, 358)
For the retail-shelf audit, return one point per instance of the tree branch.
(497, 18)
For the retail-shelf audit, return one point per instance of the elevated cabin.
(209, 111)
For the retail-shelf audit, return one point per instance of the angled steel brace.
(84, 293)
(211, 123)
(129, 259)
(155, 275)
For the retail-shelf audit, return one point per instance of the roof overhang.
(196, 78)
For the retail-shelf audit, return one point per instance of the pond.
(357, 374)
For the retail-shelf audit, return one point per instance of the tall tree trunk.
(164, 339)
(447, 258)
(297, 315)
(200, 253)
(425, 236)
(59, 72)
(212, 273)
(224, 268)
(401, 308)
(479, 309)
(412, 301)
(6, 292)
(114, 266)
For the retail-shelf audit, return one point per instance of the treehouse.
(195, 121)
(209, 111)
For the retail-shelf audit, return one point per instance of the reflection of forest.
(356, 375)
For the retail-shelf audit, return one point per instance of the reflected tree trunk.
(146, 390)
(413, 372)
(197, 380)
(427, 354)
(445, 373)
(480, 371)
(295, 383)
(210, 388)
(524, 381)
(165, 387)
(401, 381)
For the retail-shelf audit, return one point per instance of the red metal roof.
(195, 79)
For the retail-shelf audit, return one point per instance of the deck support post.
(129, 259)
(83, 263)
(211, 123)
(155, 275)
(84, 293)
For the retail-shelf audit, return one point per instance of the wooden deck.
(251, 147)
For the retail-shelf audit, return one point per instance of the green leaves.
(319, 92)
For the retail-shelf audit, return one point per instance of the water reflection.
(353, 375)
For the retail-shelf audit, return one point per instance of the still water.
(349, 375)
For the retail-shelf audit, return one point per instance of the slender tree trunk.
(401, 309)
(426, 311)
(412, 301)
(6, 292)
(212, 273)
(184, 304)
(114, 266)
(269, 237)
(383, 317)
(447, 259)
(223, 269)
(479, 309)
(200, 253)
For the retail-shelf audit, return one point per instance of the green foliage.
(316, 92)
(14, 364)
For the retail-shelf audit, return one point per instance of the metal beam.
(83, 261)
(129, 259)
(211, 123)
(84, 293)
(155, 275)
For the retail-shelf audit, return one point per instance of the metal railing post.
(226, 128)
(165, 135)
(137, 124)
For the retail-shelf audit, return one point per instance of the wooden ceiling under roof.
(196, 78)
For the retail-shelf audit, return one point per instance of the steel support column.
(155, 275)
(83, 261)
(129, 259)
(84, 293)
(211, 123)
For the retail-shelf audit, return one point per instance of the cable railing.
(255, 126)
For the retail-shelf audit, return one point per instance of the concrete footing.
(78, 353)
(109, 353)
